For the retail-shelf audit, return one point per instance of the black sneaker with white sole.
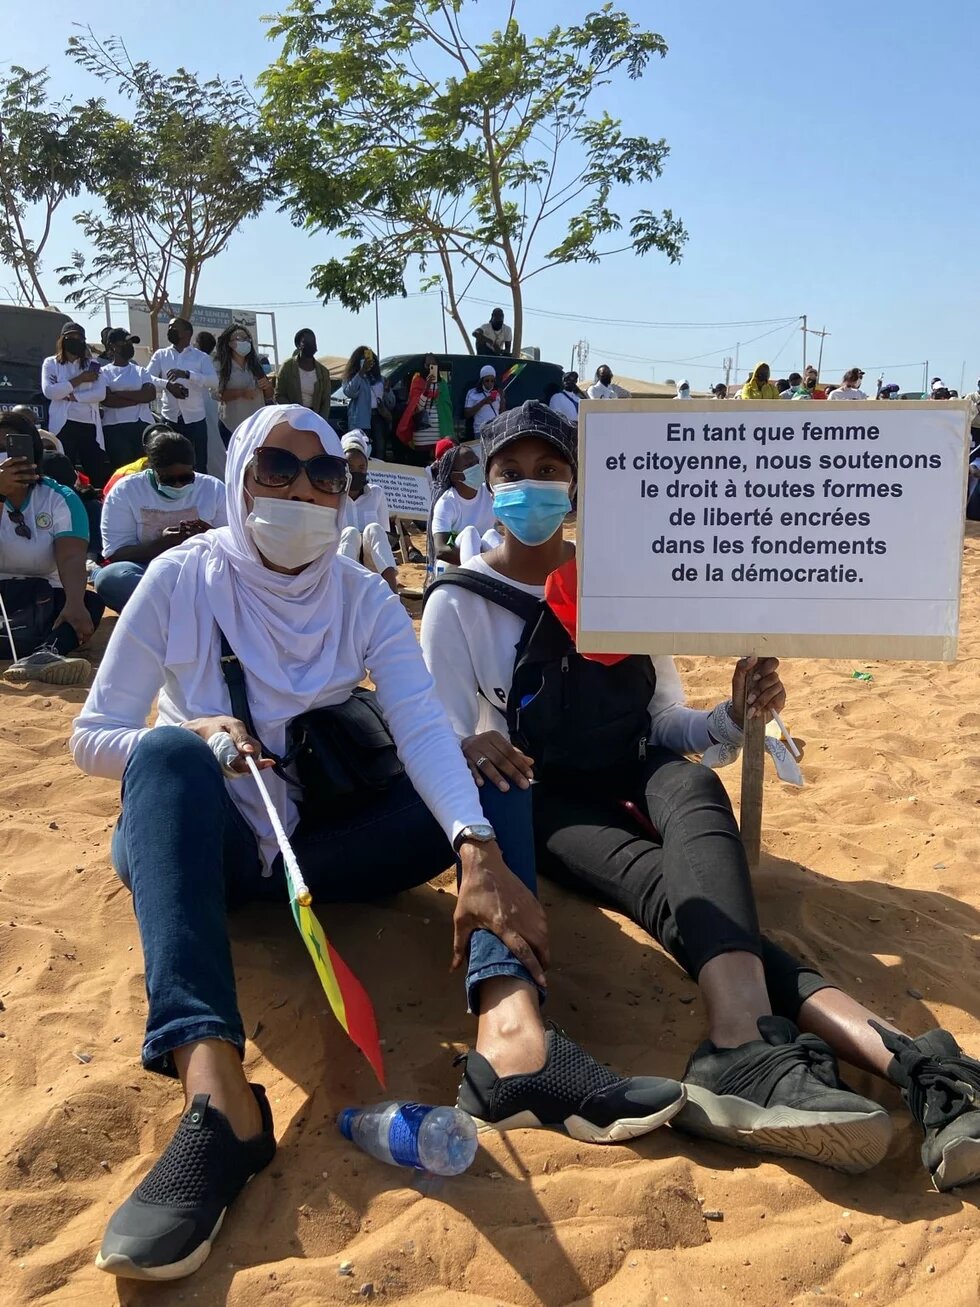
(941, 1088)
(165, 1228)
(782, 1094)
(572, 1090)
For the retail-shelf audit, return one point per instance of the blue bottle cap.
(345, 1122)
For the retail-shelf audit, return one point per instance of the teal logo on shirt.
(43, 521)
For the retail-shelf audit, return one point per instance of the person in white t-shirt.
(129, 390)
(43, 541)
(147, 513)
(72, 383)
(367, 520)
(850, 387)
(184, 375)
(618, 813)
(460, 499)
(494, 337)
(483, 402)
(603, 388)
(565, 402)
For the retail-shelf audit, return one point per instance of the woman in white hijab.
(307, 626)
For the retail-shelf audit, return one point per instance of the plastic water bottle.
(441, 1140)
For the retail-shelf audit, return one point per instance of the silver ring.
(481, 760)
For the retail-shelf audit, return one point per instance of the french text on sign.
(786, 528)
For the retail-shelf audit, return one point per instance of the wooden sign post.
(806, 530)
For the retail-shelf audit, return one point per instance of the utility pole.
(377, 330)
(728, 364)
(804, 343)
(580, 350)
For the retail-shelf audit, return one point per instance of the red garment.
(561, 596)
(444, 446)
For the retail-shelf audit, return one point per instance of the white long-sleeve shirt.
(68, 402)
(468, 645)
(200, 379)
(376, 638)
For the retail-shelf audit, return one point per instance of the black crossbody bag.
(343, 755)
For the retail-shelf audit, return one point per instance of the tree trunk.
(454, 312)
(517, 299)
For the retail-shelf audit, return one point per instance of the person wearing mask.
(243, 388)
(850, 387)
(758, 385)
(720, 391)
(361, 377)
(43, 542)
(305, 628)
(71, 382)
(302, 380)
(683, 390)
(367, 521)
(889, 391)
(428, 415)
(565, 402)
(603, 386)
(483, 402)
(459, 499)
(129, 390)
(151, 511)
(794, 384)
(811, 383)
(207, 343)
(184, 375)
(974, 397)
(628, 820)
(494, 337)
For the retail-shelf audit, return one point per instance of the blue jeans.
(116, 583)
(187, 854)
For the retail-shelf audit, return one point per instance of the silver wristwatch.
(481, 834)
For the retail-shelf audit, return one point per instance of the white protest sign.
(408, 490)
(795, 528)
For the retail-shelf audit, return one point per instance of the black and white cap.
(532, 419)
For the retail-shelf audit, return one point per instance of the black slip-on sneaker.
(572, 1090)
(165, 1228)
(941, 1088)
(782, 1094)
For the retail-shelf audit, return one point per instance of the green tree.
(462, 155)
(178, 178)
(46, 155)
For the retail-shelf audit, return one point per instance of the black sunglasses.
(20, 526)
(277, 468)
(185, 479)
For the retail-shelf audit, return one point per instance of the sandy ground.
(871, 871)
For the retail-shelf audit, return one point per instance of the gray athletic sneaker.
(941, 1088)
(48, 666)
(782, 1094)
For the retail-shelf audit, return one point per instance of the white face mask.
(242, 347)
(292, 534)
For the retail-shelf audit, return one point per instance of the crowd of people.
(251, 612)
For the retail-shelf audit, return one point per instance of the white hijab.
(284, 629)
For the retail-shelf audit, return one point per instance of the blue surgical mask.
(532, 510)
(171, 492)
(474, 476)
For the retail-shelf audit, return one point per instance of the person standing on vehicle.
(304, 380)
(494, 337)
(71, 382)
(183, 375)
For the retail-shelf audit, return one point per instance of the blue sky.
(822, 159)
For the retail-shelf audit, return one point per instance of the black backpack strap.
(516, 601)
(234, 674)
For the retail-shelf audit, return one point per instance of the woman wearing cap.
(365, 535)
(460, 499)
(243, 388)
(307, 627)
(129, 390)
(850, 387)
(71, 382)
(484, 402)
(152, 511)
(673, 861)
